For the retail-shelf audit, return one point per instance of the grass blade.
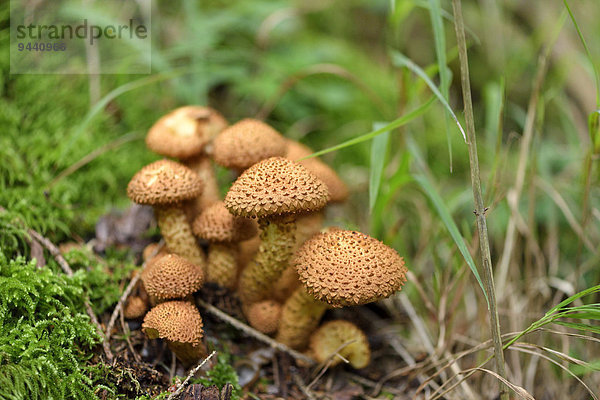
(444, 214)
(579, 326)
(378, 151)
(400, 60)
(571, 299)
(587, 52)
(440, 51)
(403, 120)
(594, 130)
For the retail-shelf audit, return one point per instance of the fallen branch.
(253, 332)
(48, 245)
(190, 375)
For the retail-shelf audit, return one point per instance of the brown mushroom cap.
(246, 143)
(217, 224)
(338, 190)
(185, 131)
(342, 337)
(264, 316)
(135, 307)
(276, 186)
(349, 268)
(296, 150)
(164, 182)
(172, 277)
(176, 321)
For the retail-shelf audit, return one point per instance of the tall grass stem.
(484, 244)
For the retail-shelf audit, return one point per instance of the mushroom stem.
(277, 238)
(300, 317)
(222, 264)
(188, 353)
(176, 231)
(202, 166)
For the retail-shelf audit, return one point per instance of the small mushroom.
(223, 230)
(274, 191)
(171, 277)
(185, 134)
(165, 185)
(341, 338)
(264, 316)
(246, 143)
(339, 268)
(135, 308)
(151, 251)
(180, 324)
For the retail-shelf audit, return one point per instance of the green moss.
(45, 333)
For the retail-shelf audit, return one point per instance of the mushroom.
(339, 268)
(264, 316)
(274, 191)
(185, 134)
(338, 190)
(246, 143)
(308, 224)
(248, 249)
(180, 324)
(171, 277)
(337, 339)
(135, 308)
(150, 252)
(165, 185)
(223, 230)
(287, 283)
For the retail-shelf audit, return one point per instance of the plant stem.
(484, 244)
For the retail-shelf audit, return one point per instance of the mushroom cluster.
(264, 241)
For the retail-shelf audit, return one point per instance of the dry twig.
(190, 375)
(127, 292)
(253, 332)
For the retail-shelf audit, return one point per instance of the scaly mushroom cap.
(172, 277)
(246, 143)
(176, 321)
(349, 268)
(164, 182)
(217, 224)
(185, 131)
(264, 316)
(330, 338)
(276, 186)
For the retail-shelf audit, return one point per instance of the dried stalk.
(484, 243)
